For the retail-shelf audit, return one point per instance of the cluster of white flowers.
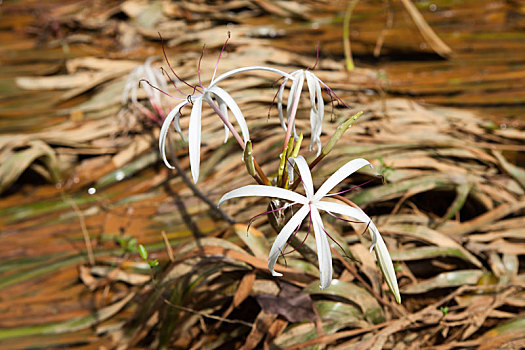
(312, 202)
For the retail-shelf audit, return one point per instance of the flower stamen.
(253, 218)
(350, 189)
(160, 90)
(339, 245)
(219, 58)
(199, 67)
(171, 81)
(316, 59)
(171, 68)
(283, 252)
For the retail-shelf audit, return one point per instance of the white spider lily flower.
(311, 204)
(152, 75)
(316, 101)
(208, 94)
(224, 101)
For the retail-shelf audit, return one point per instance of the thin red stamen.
(172, 81)
(275, 96)
(316, 59)
(156, 88)
(252, 219)
(340, 247)
(220, 55)
(332, 94)
(340, 218)
(366, 228)
(169, 65)
(199, 66)
(332, 119)
(283, 252)
(351, 188)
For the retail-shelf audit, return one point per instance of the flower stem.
(291, 119)
(262, 179)
(226, 122)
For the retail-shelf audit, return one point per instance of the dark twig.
(196, 191)
(222, 319)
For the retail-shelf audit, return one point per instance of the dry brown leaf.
(260, 328)
(291, 303)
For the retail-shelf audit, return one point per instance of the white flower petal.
(283, 236)
(194, 139)
(280, 103)
(290, 171)
(264, 191)
(341, 174)
(385, 262)
(339, 208)
(236, 111)
(306, 176)
(173, 114)
(316, 110)
(323, 249)
(248, 69)
(383, 257)
(295, 89)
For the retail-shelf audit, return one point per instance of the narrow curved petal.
(290, 170)
(280, 103)
(323, 249)
(341, 174)
(339, 208)
(173, 114)
(264, 191)
(306, 176)
(125, 93)
(385, 263)
(383, 257)
(248, 69)
(283, 236)
(316, 110)
(194, 139)
(295, 89)
(236, 111)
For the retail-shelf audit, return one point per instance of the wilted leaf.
(358, 295)
(254, 239)
(261, 326)
(444, 280)
(502, 334)
(121, 275)
(346, 315)
(433, 252)
(291, 303)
